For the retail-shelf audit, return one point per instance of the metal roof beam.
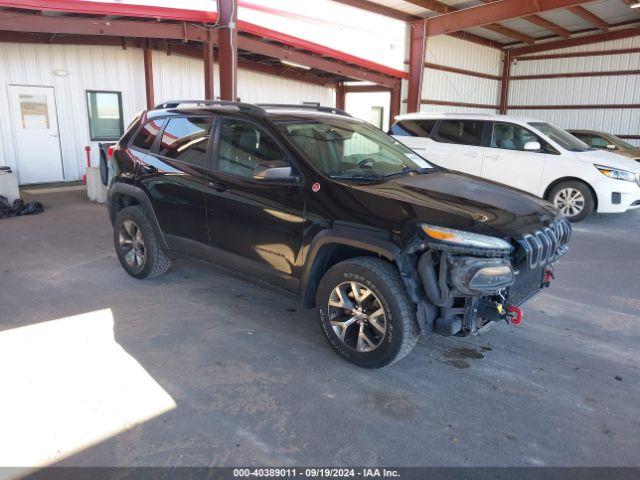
(544, 23)
(20, 22)
(490, 13)
(590, 17)
(443, 8)
(379, 9)
(576, 41)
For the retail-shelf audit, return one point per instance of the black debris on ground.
(18, 208)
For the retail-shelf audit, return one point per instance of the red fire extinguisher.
(87, 150)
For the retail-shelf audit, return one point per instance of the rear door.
(176, 168)
(506, 161)
(457, 144)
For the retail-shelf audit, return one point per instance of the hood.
(454, 200)
(633, 153)
(609, 159)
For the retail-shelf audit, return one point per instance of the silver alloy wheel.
(357, 316)
(132, 244)
(569, 201)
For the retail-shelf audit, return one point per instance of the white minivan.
(527, 154)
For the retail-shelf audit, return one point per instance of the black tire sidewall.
(137, 216)
(104, 168)
(586, 193)
(392, 341)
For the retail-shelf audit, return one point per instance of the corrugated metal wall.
(112, 68)
(602, 90)
(90, 68)
(456, 87)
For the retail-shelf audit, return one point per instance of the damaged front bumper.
(469, 290)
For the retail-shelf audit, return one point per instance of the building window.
(105, 115)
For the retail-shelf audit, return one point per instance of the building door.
(36, 135)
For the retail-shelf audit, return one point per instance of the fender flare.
(127, 190)
(340, 236)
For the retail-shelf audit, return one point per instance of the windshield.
(348, 149)
(561, 137)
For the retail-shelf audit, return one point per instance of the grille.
(547, 245)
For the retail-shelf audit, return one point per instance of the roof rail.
(305, 106)
(224, 103)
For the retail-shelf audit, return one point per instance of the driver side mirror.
(532, 147)
(611, 147)
(274, 170)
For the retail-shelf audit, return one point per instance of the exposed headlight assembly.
(465, 239)
(471, 275)
(617, 174)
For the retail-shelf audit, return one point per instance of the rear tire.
(136, 244)
(574, 199)
(365, 312)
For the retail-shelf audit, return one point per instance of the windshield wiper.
(358, 178)
(407, 170)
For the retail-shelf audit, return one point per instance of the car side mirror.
(532, 147)
(274, 170)
(611, 147)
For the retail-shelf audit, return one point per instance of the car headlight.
(616, 173)
(465, 239)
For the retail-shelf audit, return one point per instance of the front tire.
(574, 199)
(136, 244)
(365, 312)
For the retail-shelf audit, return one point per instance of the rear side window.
(147, 134)
(186, 139)
(413, 128)
(462, 132)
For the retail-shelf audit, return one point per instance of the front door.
(506, 161)
(255, 224)
(36, 135)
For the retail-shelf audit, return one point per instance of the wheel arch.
(333, 246)
(123, 195)
(572, 179)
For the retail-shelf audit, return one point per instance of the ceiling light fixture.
(635, 5)
(296, 65)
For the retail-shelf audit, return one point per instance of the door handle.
(472, 155)
(54, 135)
(493, 157)
(218, 186)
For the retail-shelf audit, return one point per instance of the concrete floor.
(251, 381)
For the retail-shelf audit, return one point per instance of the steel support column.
(506, 79)
(208, 67)
(416, 64)
(228, 49)
(148, 76)
(341, 96)
(394, 103)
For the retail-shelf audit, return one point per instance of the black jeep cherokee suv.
(384, 245)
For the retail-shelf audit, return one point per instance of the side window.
(509, 136)
(147, 134)
(242, 146)
(413, 128)
(186, 139)
(463, 132)
(595, 141)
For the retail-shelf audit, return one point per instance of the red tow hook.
(515, 314)
(548, 276)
